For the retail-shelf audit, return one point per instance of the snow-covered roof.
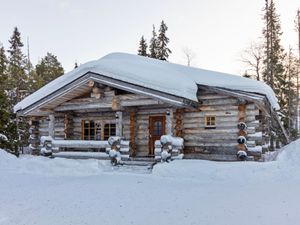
(155, 74)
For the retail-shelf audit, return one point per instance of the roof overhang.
(79, 86)
(260, 100)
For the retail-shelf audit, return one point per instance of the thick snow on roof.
(159, 75)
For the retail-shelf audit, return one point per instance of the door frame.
(151, 143)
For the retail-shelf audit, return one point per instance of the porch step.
(142, 159)
(129, 164)
(148, 164)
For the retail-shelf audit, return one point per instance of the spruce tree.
(288, 94)
(8, 131)
(274, 52)
(273, 72)
(18, 84)
(4, 113)
(153, 47)
(17, 77)
(48, 69)
(143, 47)
(163, 50)
(3, 65)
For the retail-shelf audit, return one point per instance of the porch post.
(51, 125)
(169, 119)
(34, 139)
(119, 123)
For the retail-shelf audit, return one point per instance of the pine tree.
(153, 47)
(48, 69)
(163, 40)
(143, 47)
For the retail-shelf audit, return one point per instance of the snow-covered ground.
(37, 190)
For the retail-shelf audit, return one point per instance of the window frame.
(210, 122)
(110, 133)
(97, 129)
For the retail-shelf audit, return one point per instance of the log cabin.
(140, 99)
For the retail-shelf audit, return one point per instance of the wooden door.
(157, 126)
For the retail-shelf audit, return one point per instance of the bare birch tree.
(189, 54)
(252, 57)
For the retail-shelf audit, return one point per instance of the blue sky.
(216, 31)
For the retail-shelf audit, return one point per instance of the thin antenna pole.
(268, 42)
(28, 56)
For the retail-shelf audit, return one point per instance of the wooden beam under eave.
(78, 107)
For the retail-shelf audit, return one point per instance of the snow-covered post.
(34, 136)
(51, 125)
(119, 124)
(169, 118)
(170, 148)
(242, 147)
(114, 151)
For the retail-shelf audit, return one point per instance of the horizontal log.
(78, 106)
(212, 137)
(152, 111)
(225, 107)
(210, 131)
(186, 144)
(219, 125)
(79, 144)
(224, 113)
(140, 102)
(59, 129)
(207, 96)
(227, 101)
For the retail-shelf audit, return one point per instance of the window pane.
(157, 128)
(98, 131)
(86, 124)
(210, 121)
(112, 129)
(88, 130)
(109, 130)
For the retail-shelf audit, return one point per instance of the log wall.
(186, 123)
(223, 139)
(141, 138)
(102, 117)
(43, 127)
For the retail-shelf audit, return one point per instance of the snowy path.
(60, 191)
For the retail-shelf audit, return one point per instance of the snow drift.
(37, 190)
(287, 160)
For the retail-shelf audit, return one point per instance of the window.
(210, 122)
(91, 130)
(109, 130)
(157, 128)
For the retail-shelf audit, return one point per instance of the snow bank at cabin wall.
(155, 74)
